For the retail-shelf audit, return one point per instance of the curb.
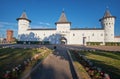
(28, 74)
(76, 72)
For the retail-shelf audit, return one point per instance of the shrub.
(112, 43)
(94, 43)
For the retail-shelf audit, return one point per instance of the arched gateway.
(63, 40)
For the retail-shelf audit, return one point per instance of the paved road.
(55, 66)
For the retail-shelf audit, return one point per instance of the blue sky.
(44, 13)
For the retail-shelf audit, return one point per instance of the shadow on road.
(56, 66)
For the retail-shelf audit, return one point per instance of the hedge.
(112, 43)
(94, 43)
(106, 43)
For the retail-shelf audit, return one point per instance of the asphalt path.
(55, 66)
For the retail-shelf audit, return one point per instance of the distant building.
(9, 36)
(1, 39)
(64, 34)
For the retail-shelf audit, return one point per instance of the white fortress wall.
(77, 36)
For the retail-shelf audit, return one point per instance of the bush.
(112, 43)
(94, 43)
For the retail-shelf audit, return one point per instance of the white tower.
(108, 22)
(63, 24)
(63, 28)
(23, 23)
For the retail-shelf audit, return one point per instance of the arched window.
(73, 34)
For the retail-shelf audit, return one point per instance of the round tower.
(107, 23)
(23, 23)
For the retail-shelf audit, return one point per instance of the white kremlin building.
(64, 34)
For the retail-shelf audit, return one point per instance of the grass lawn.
(108, 61)
(81, 71)
(10, 58)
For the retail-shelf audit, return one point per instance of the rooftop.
(24, 16)
(63, 18)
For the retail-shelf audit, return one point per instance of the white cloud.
(7, 25)
(44, 23)
(2, 24)
(47, 24)
(39, 26)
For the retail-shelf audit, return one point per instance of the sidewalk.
(55, 66)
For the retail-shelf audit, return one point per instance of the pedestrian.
(54, 47)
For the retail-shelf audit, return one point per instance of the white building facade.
(64, 34)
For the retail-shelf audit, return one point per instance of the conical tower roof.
(107, 14)
(24, 16)
(63, 18)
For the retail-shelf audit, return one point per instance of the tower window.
(106, 23)
(101, 34)
(73, 34)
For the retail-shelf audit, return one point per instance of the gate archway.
(63, 40)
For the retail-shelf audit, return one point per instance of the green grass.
(82, 72)
(45, 53)
(108, 61)
(10, 58)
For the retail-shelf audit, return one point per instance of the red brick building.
(9, 36)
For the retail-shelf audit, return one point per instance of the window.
(106, 34)
(101, 34)
(73, 34)
(93, 34)
(106, 23)
(83, 34)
